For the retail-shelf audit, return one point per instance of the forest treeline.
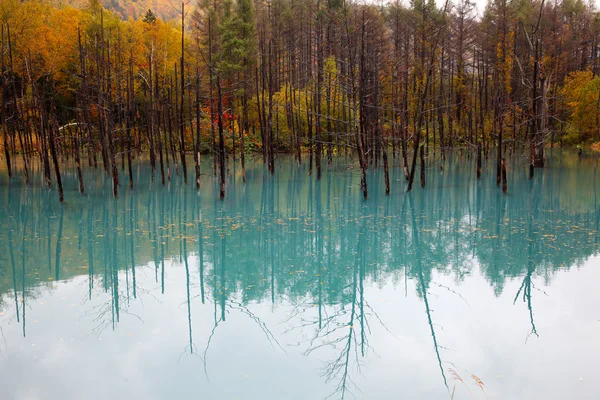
(387, 83)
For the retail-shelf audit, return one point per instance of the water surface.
(293, 288)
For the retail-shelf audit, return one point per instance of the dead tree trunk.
(181, 108)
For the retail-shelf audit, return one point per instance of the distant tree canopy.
(134, 9)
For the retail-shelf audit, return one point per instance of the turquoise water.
(292, 288)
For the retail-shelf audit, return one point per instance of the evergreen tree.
(149, 17)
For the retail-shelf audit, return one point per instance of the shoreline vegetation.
(388, 84)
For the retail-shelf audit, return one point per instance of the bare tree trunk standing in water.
(504, 184)
(319, 50)
(197, 147)
(421, 110)
(3, 106)
(358, 128)
(244, 128)
(499, 145)
(130, 116)
(422, 157)
(478, 160)
(51, 129)
(181, 108)
(386, 170)
(18, 115)
(221, 139)
(78, 160)
(42, 134)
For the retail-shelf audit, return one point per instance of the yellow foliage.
(581, 92)
(505, 59)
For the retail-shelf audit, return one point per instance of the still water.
(292, 288)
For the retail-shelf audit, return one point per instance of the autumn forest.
(388, 85)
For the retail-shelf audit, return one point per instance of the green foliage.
(149, 17)
(237, 36)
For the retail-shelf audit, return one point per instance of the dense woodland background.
(392, 84)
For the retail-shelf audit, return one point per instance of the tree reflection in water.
(295, 242)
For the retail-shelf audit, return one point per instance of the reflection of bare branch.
(379, 319)
(452, 291)
(149, 293)
(538, 289)
(344, 327)
(526, 286)
(126, 312)
(297, 311)
(423, 288)
(519, 291)
(338, 369)
(328, 328)
(340, 366)
(3, 339)
(100, 312)
(333, 333)
(296, 314)
(428, 311)
(204, 357)
(446, 348)
(261, 324)
(185, 350)
(533, 328)
(330, 343)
